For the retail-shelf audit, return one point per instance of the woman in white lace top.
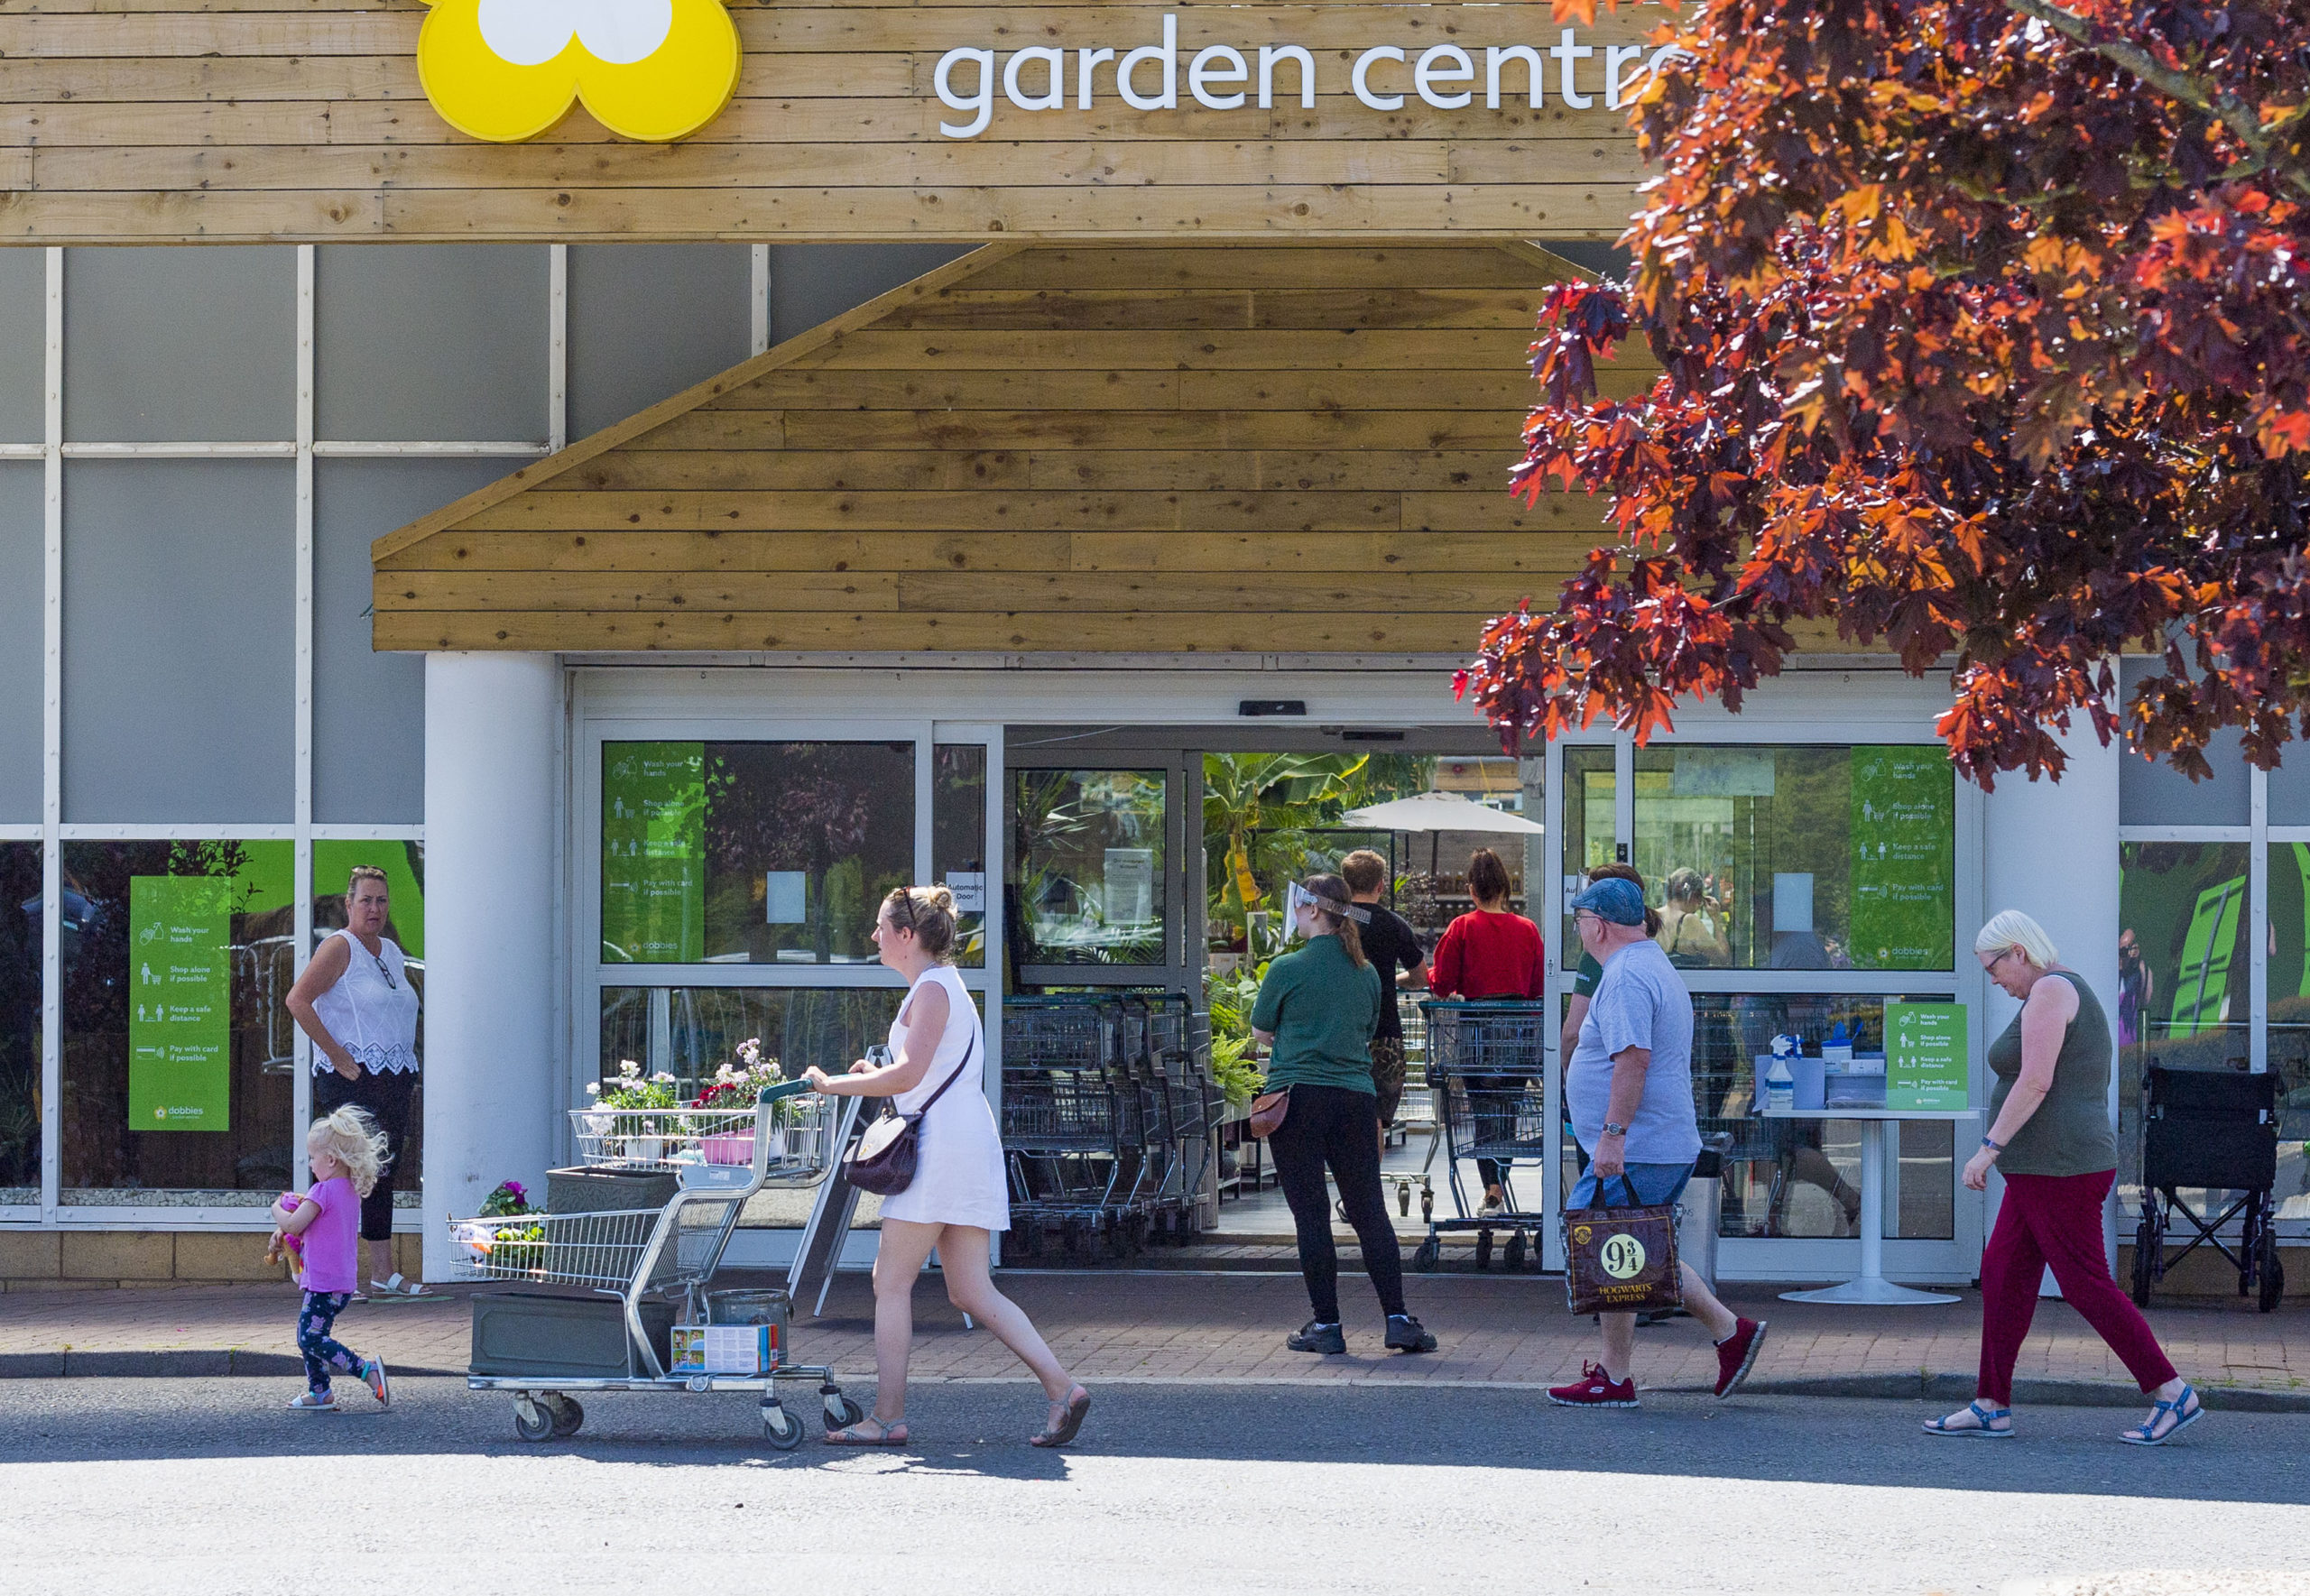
(354, 1000)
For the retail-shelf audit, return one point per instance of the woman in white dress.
(959, 1197)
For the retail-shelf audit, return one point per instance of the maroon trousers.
(2057, 1220)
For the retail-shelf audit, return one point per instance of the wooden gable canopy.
(1298, 449)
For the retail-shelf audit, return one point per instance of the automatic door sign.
(505, 70)
(1622, 1257)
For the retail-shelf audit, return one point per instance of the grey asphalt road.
(209, 1485)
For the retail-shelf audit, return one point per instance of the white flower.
(662, 1078)
(593, 1088)
(629, 1069)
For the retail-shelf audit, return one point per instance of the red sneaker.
(1595, 1390)
(1736, 1354)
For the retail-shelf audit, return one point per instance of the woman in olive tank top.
(2050, 1137)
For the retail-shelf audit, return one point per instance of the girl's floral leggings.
(315, 1320)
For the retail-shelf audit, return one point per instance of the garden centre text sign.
(245, 121)
(180, 1002)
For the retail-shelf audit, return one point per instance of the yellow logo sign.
(1622, 1257)
(505, 70)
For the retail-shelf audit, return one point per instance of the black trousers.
(1332, 1126)
(385, 1095)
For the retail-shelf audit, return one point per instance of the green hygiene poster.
(653, 853)
(180, 996)
(1904, 859)
(1925, 1056)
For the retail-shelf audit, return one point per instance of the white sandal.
(399, 1288)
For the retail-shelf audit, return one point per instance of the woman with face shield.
(1316, 1012)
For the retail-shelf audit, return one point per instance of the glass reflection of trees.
(104, 1156)
(20, 998)
(1087, 866)
(958, 837)
(838, 816)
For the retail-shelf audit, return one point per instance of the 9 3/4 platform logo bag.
(1621, 1260)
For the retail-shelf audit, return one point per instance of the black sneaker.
(1314, 1337)
(1406, 1335)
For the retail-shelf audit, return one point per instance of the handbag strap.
(969, 1048)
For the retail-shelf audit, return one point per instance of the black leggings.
(1330, 1125)
(385, 1094)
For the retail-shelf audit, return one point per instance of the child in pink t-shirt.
(345, 1149)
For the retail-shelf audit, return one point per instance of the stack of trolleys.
(1194, 1108)
(1067, 1135)
(628, 1265)
(1487, 1067)
(1150, 1201)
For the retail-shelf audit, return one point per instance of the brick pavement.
(1226, 1327)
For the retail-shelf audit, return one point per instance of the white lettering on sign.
(1221, 77)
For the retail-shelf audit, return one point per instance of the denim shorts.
(1656, 1184)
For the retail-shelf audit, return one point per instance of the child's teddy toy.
(283, 1245)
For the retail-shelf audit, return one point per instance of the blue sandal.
(2147, 1433)
(1985, 1417)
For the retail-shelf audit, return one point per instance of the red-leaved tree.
(1985, 337)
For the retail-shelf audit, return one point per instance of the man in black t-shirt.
(1392, 945)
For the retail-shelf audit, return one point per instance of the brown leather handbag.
(1268, 1109)
(884, 1160)
(1621, 1260)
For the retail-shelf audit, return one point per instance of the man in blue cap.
(1629, 1089)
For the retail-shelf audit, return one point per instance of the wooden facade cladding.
(129, 121)
(1128, 448)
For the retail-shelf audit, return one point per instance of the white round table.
(1871, 1285)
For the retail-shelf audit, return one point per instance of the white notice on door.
(1129, 886)
(969, 887)
(787, 901)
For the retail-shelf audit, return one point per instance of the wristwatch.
(1613, 1129)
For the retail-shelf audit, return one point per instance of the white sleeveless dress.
(958, 1178)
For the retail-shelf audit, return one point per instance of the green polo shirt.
(1322, 1007)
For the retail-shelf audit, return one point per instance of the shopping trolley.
(2215, 1131)
(1486, 1066)
(646, 1258)
(1069, 1137)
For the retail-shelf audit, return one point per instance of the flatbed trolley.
(2214, 1130)
(721, 1157)
(1487, 1066)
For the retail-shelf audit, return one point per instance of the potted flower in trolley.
(735, 1089)
(631, 1137)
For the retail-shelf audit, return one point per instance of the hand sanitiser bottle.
(1780, 1086)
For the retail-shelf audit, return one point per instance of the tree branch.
(2214, 103)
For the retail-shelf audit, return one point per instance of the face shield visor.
(1299, 898)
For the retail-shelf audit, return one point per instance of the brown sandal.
(1078, 1403)
(894, 1434)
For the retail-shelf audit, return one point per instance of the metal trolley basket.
(1487, 1065)
(646, 1259)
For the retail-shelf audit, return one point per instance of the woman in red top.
(1490, 953)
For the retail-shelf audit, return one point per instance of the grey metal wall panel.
(180, 639)
(2158, 795)
(181, 345)
(369, 708)
(23, 342)
(647, 320)
(815, 282)
(431, 342)
(20, 641)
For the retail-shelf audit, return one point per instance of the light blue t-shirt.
(1640, 1003)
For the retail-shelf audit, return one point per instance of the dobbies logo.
(505, 70)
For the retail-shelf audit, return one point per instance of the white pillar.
(491, 733)
(2050, 849)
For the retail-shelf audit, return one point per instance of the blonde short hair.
(352, 1137)
(2008, 928)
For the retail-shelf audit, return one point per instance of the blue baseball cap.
(1613, 900)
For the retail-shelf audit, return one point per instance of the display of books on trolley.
(627, 1304)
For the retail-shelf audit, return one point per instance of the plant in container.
(735, 1089)
(642, 1137)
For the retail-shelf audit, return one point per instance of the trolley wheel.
(532, 1420)
(2146, 1248)
(842, 1412)
(780, 1428)
(566, 1414)
(1483, 1250)
(1426, 1257)
(1512, 1256)
(2273, 1273)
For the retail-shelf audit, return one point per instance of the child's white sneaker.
(316, 1402)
